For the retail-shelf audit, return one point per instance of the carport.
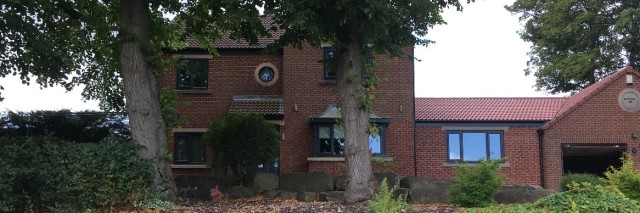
(592, 159)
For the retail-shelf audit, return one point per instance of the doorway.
(591, 159)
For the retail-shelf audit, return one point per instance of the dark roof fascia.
(272, 117)
(334, 120)
(537, 123)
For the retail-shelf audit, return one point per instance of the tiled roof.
(487, 109)
(227, 43)
(579, 98)
(261, 105)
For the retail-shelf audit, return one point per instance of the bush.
(385, 203)
(567, 179)
(626, 179)
(49, 174)
(512, 208)
(584, 197)
(475, 185)
(241, 140)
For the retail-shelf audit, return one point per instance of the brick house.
(539, 138)
(586, 132)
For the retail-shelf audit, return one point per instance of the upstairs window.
(188, 148)
(329, 55)
(192, 74)
(471, 146)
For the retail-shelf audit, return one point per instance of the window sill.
(449, 164)
(328, 82)
(186, 91)
(188, 166)
(339, 159)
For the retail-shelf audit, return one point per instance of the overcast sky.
(477, 54)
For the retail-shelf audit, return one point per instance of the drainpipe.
(415, 154)
(541, 156)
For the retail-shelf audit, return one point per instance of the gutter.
(540, 155)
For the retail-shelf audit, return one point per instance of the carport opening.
(591, 159)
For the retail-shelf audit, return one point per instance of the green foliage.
(386, 203)
(241, 140)
(152, 199)
(83, 127)
(576, 43)
(584, 197)
(475, 185)
(626, 178)
(382, 162)
(567, 179)
(45, 173)
(511, 208)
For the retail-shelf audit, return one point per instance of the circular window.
(629, 100)
(266, 74)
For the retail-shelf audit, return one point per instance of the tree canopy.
(577, 42)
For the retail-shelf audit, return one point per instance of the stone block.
(261, 180)
(306, 182)
(307, 196)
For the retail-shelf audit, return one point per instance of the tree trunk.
(350, 80)
(140, 90)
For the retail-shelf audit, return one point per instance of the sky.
(477, 54)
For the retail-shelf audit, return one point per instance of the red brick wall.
(599, 120)
(231, 73)
(304, 87)
(520, 147)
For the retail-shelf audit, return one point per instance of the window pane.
(197, 149)
(374, 142)
(324, 139)
(474, 146)
(199, 72)
(329, 55)
(338, 135)
(184, 79)
(180, 151)
(495, 147)
(454, 146)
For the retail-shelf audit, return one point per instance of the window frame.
(326, 61)
(189, 149)
(316, 140)
(191, 82)
(461, 144)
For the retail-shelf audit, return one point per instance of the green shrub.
(584, 197)
(385, 203)
(49, 174)
(567, 179)
(475, 185)
(511, 208)
(241, 140)
(626, 179)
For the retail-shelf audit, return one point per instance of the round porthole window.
(266, 74)
(629, 100)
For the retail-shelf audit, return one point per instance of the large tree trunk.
(140, 90)
(350, 81)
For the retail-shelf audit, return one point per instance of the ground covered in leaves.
(264, 205)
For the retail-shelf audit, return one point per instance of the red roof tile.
(579, 98)
(487, 109)
(227, 43)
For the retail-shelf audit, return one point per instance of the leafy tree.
(83, 127)
(239, 140)
(577, 42)
(114, 49)
(351, 26)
